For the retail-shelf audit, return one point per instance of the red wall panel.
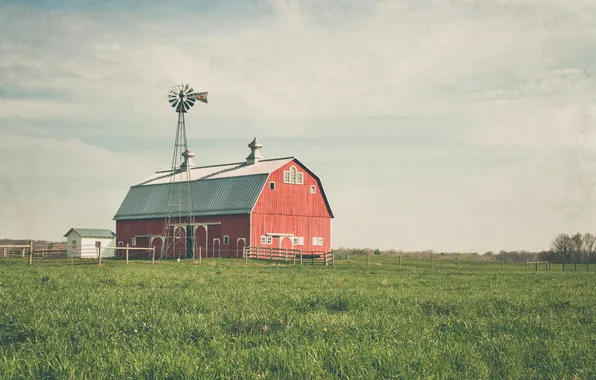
(291, 199)
(304, 226)
(292, 209)
(234, 226)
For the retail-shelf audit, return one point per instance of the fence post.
(98, 246)
(458, 263)
(332, 258)
(286, 254)
(325, 258)
(367, 260)
(245, 253)
(126, 253)
(152, 255)
(300, 257)
(31, 252)
(536, 266)
(399, 261)
(481, 264)
(270, 253)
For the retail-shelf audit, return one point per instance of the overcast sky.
(449, 125)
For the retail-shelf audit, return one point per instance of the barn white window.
(313, 189)
(263, 239)
(269, 239)
(301, 240)
(315, 241)
(320, 241)
(271, 185)
(295, 240)
(226, 239)
(134, 241)
(293, 176)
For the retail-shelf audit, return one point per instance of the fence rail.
(296, 256)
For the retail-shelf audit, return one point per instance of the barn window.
(263, 239)
(226, 239)
(74, 245)
(295, 240)
(269, 239)
(301, 240)
(134, 241)
(320, 241)
(293, 176)
(314, 241)
(313, 189)
(271, 185)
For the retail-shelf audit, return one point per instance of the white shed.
(83, 242)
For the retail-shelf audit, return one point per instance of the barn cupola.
(255, 152)
(188, 161)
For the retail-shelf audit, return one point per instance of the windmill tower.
(179, 224)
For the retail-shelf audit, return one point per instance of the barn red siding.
(303, 226)
(234, 226)
(291, 199)
(292, 209)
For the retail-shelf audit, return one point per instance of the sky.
(448, 125)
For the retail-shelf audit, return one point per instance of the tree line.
(567, 248)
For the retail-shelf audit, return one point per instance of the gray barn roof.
(222, 196)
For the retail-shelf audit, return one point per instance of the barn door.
(189, 241)
(200, 241)
(240, 244)
(216, 248)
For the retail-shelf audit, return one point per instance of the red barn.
(273, 203)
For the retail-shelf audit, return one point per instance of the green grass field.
(221, 319)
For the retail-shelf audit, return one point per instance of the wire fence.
(459, 263)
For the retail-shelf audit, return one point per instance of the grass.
(221, 319)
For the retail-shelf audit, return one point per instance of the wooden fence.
(296, 256)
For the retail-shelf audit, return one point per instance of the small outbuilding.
(83, 242)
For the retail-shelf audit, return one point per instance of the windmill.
(179, 224)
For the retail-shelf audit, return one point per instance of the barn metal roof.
(222, 196)
(92, 232)
(226, 189)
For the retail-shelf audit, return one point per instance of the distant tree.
(489, 253)
(377, 252)
(562, 247)
(589, 247)
(577, 244)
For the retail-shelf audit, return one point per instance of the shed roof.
(92, 232)
(227, 189)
